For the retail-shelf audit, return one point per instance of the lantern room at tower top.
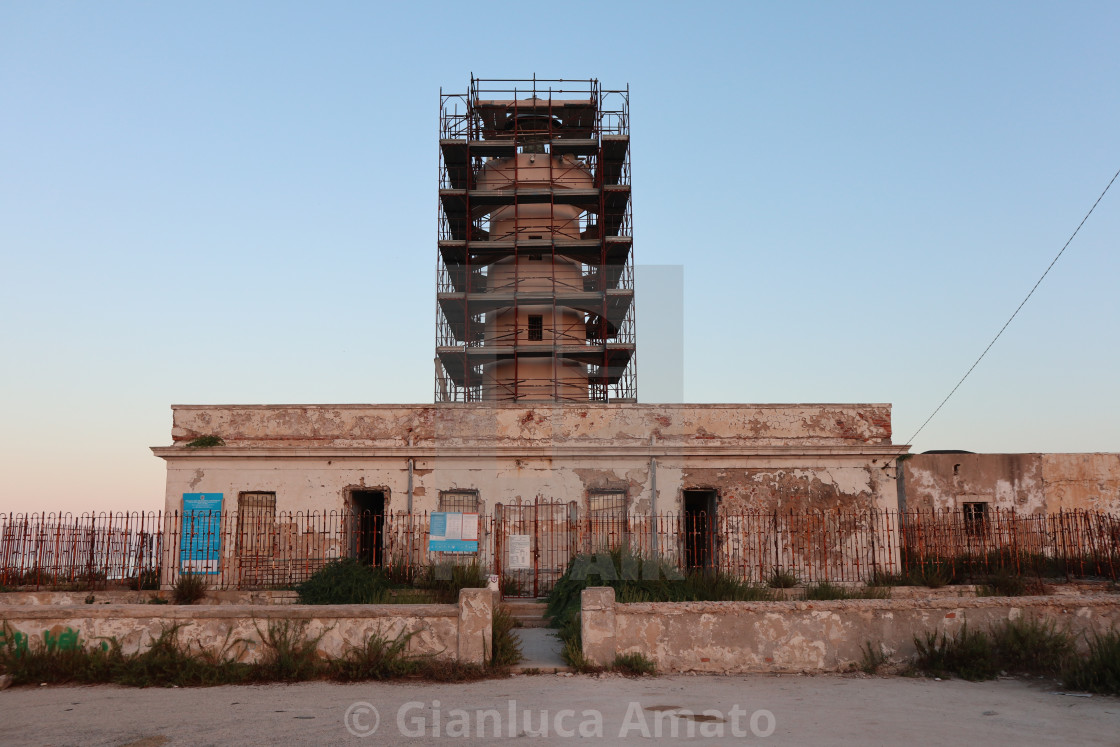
(535, 279)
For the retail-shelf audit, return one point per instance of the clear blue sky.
(236, 203)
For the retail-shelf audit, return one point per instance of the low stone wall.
(456, 632)
(11, 598)
(806, 636)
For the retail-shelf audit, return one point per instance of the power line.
(1017, 310)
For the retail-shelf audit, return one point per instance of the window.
(536, 327)
(975, 517)
(604, 503)
(256, 520)
(459, 501)
(606, 510)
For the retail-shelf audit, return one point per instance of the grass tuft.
(190, 588)
(874, 657)
(782, 579)
(1099, 672)
(634, 664)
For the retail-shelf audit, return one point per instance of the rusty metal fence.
(266, 549)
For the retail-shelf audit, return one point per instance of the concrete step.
(527, 613)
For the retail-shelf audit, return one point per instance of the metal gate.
(533, 543)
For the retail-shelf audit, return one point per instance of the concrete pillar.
(597, 625)
(476, 620)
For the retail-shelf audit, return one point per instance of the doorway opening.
(368, 510)
(699, 528)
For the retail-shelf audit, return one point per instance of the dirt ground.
(786, 709)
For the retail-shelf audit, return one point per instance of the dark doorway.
(699, 528)
(368, 508)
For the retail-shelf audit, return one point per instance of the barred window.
(607, 503)
(256, 516)
(459, 501)
(536, 327)
(975, 517)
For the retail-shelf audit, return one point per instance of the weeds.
(967, 654)
(1099, 672)
(634, 664)
(190, 588)
(147, 580)
(782, 579)
(378, 659)
(444, 580)
(506, 646)
(1002, 584)
(206, 442)
(1022, 646)
(289, 655)
(1031, 646)
(825, 591)
(874, 657)
(883, 579)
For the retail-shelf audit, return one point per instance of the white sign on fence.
(520, 553)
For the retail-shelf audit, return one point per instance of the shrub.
(445, 579)
(1002, 584)
(1030, 646)
(344, 581)
(506, 646)
(967, 654)
(378, 659)
(147, 580)
(782, 579)
(289, 655)
(633, 665)
(873, 658)
(206, 442)
(882, 578)
(1099, 672)
(169, 662)
(931, 573)
(190, 588)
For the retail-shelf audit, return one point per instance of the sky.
(235, 202)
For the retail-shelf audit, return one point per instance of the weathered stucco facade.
(753, 456)
(1028, 483)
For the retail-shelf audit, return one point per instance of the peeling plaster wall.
(807, 636)
(756, 456)
(519, 425)
(1029, 483)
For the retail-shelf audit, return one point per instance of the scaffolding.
(535, 274)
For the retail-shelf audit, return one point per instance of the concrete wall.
(805, 636)
(1029, 483)
(446, 631)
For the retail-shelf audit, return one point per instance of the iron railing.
(267, 549)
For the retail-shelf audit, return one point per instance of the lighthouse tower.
(535, 283)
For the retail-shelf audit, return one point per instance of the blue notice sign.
(201, 543)
(453, 532)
